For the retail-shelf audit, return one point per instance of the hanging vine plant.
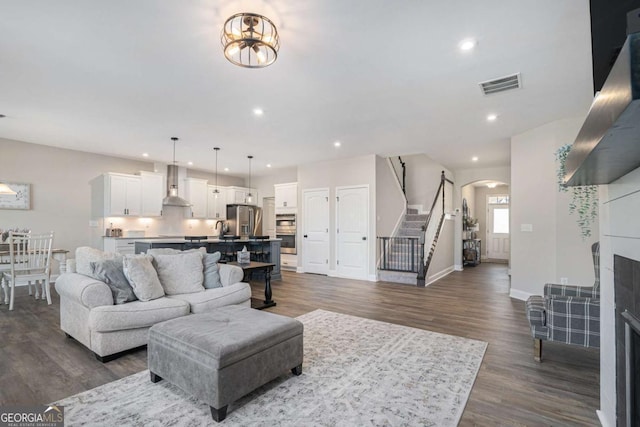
(584, 198)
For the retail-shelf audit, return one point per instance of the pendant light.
(216, 192)
(249, 195)
(6, 190)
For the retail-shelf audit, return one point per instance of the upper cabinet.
(153, 191)
(216, 203)
(286, 197)
(240, 195)
(195, 191)
(115, 194)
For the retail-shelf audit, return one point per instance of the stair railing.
(399, 254)
(431, 228)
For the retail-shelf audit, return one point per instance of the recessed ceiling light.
(258, 111)
(467, 44)
(268, 165)
(145, 154)
(492, 117)
(226, 169)
(474, 159)
(190, 163)
(337, 144)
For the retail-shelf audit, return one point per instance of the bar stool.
(229, 252)
(259, 248)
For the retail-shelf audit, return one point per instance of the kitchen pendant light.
(6, 190)
(250, 40)
(216, 191)
(249, 195)
(172, 198)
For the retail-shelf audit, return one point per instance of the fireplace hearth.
(627, 299)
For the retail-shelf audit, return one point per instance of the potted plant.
(584, 198)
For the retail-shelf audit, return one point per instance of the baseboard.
(439, 275)
(372, 278)
(299, 270)
(521, 295)
(603, 420)
(332, 273)
(458, 267)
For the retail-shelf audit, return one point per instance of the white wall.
(390, 202)
(442, 261)
(554, 248)
(620, 235)
(423, 179)
(335, 173)
(264, 183)
(463, 178)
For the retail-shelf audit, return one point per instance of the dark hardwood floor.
(39, 365)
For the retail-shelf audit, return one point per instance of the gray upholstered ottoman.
(219, 357)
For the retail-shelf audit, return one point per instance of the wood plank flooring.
(39, 365)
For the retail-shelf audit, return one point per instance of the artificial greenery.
(584, 198)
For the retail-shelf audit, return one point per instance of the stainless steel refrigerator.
(244, 220)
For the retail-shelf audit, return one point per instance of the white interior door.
(498, 231)
(352, 228)
(315, 232)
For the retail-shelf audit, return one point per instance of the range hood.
(172, 198)
(608, 145)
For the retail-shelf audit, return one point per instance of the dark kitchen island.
(216, 245)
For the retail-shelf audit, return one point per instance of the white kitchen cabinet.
(216, 204)
(286, 197)
(115, 194)
(240, 195)
(153, 191)
(195, 191)
(119, 245)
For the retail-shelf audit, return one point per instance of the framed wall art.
(20, 200)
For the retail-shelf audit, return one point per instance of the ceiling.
(386, 77)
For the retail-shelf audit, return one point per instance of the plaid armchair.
(567, 313)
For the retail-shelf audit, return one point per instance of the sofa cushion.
(143, 277)
(110, 272)
(171, 251)
(180, 273)
(136, 314)
(85, 255)
(202, 302)
(211, 271)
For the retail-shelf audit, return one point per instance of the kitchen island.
(215, 245)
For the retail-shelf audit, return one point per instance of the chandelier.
(250, 40)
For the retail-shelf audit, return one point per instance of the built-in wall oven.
(286, 230)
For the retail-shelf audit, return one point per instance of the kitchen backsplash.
(172, 223)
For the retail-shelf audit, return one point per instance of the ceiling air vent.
(500, 85)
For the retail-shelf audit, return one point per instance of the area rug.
(356, 372)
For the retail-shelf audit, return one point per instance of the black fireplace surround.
(627, 300)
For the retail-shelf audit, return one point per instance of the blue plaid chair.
(567, 313)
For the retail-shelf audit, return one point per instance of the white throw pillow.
(180, 273)
(142, 277)
(86, 255)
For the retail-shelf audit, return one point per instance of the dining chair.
(30, 259)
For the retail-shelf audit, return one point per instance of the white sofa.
(88, 313)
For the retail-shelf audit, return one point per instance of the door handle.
(364, 238)
(305, 236)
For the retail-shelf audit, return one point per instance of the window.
(501, 220)
(498, 200)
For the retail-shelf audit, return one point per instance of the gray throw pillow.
(142, 277)
(110, 272)
(211, 271)
(180, 273)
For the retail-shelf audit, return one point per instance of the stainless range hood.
(608, 145)
(172, 198)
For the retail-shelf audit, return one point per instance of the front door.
(352, 228)
(498, 227)
(315, 231)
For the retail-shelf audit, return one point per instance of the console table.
(259, 266)
(471, 251)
